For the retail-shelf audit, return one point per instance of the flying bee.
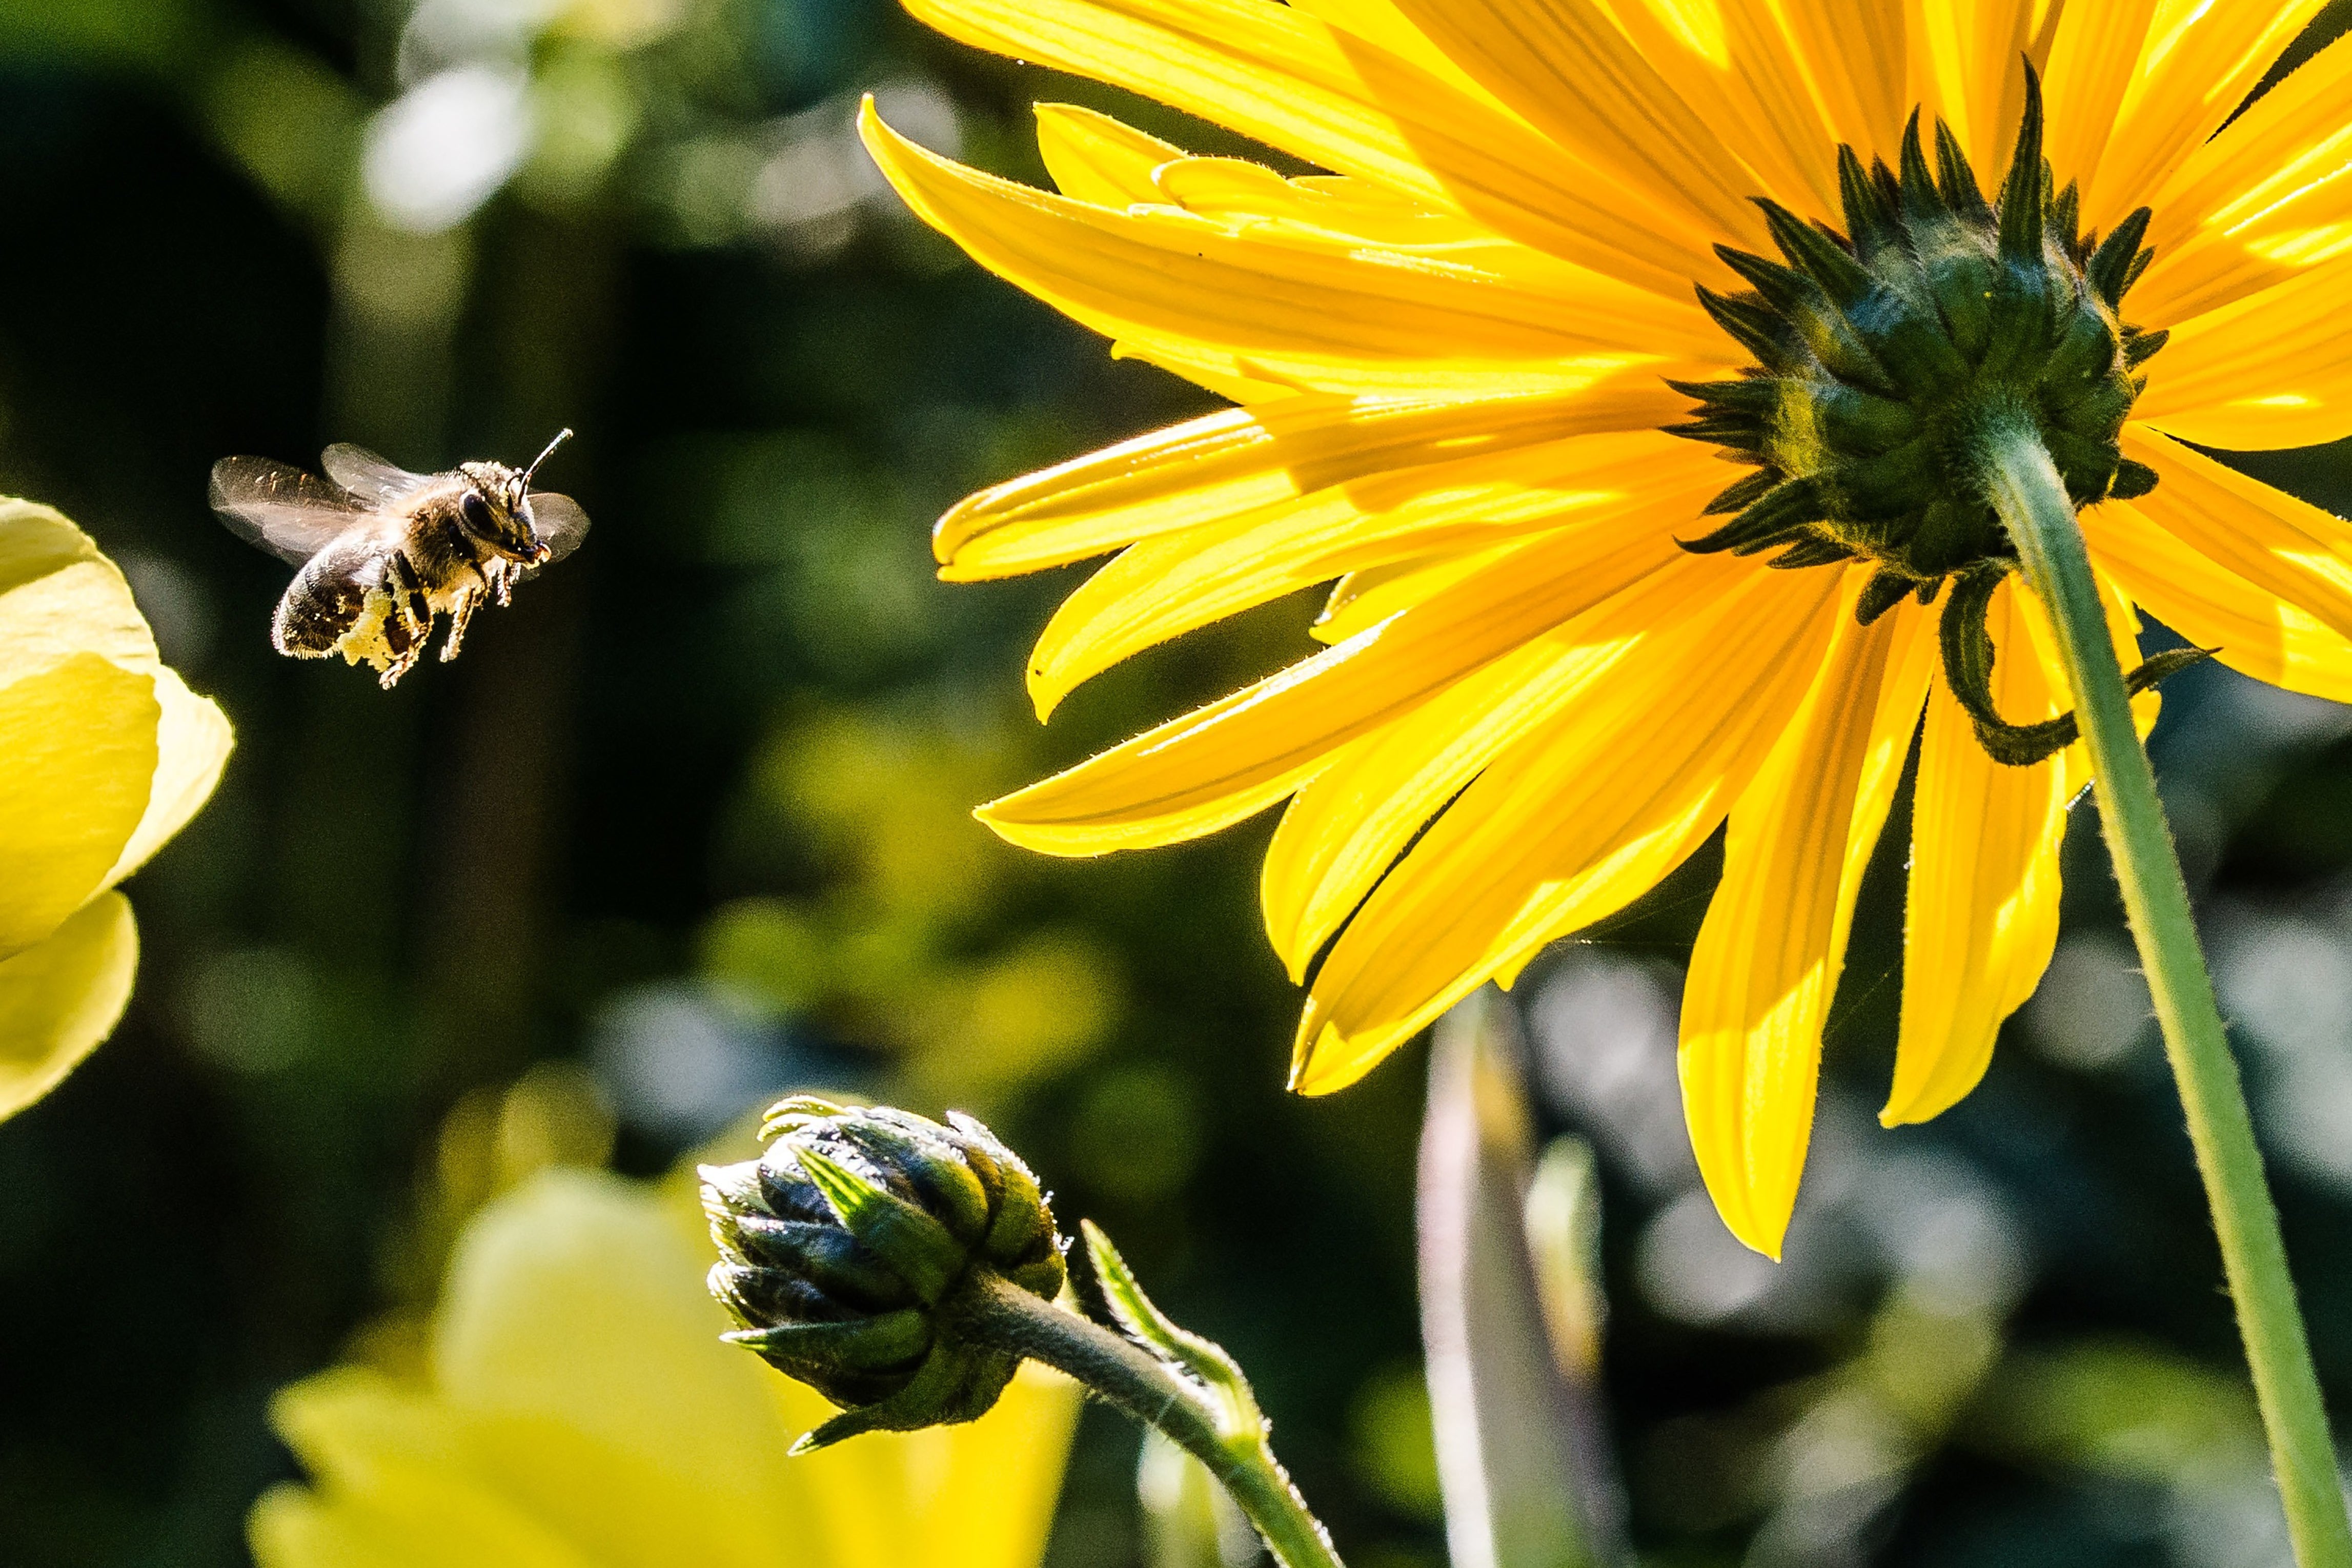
(384, 552)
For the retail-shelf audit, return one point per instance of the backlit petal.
(2284, 546)
(2273, 369)
(1340, 101)
(2255, 631)
(1351, 821)
(1239, 755)
(2267, 198)
(1768, 954)
(1325, 316)
(1575, 823)
(1094, 158)
(61, 997)
(2199, 60)
(2091, 64)
(1362, 599)
(1965, 68)
(1571, 72)
(1982, 912)
(1380, 24)
(1226, 464)
(1172, 584)
(1858, 55)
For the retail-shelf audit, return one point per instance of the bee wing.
(368, 476)
(559, 522)
(290, 514)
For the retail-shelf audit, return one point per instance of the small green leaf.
(1148, 1326)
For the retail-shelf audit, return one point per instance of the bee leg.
(460, 613)
(412, 614)
(501, 580)
(400, 666)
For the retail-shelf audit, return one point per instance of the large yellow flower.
(1452, 353)
(580, 1410)
(104, 754)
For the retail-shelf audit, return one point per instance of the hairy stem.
(989, 1311)
(2031, 500)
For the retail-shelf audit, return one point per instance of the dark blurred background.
(688, 825)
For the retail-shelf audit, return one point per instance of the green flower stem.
(2027, 492)
(989, 1311)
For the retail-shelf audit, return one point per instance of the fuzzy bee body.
(384, 553)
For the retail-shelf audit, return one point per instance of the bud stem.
(987, 1309)
(2027, 492)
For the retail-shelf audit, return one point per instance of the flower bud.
(841, 1245)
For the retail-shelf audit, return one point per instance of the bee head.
(497, 506)
(496, 510)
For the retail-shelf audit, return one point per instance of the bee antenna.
(561, 437)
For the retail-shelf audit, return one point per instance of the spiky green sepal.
(1967, 670)
(839, 1246)
(1883, 353)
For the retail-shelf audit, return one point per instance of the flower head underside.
(1464, 360)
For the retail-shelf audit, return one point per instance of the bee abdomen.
(342, 603)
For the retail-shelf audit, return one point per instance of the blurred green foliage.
(688, 825)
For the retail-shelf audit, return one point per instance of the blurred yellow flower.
(1452, 352)
(578, 1410)
(104, 754)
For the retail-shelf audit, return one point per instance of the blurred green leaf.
(1188, 1519)
(1524, 1468)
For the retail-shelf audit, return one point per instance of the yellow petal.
(1274, 73)
(1094, 158)
(980, 1495)
(1340, 209)
(1167, 586)
(400, 1487)
(1982, 917)
(1768, 957)
(2200, 61)
(1566, 66)
(1221, 374)
(2273, 369)
(2267, 197)
(192, 742)
(1379, 24)
(1224, 464)
(1575, 822)
(80, 742)
(2256, 632)
(1239, 755)
(1362, 599)
(1965, 69)
(60, 997)
(580, 1302)
(1349, 218)
(2092, 63)
(1351, 821)
(59, 596)
(583, 1413)
(1308, 312)
(2287, 547)
(1858, 52)
(1736, 68)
